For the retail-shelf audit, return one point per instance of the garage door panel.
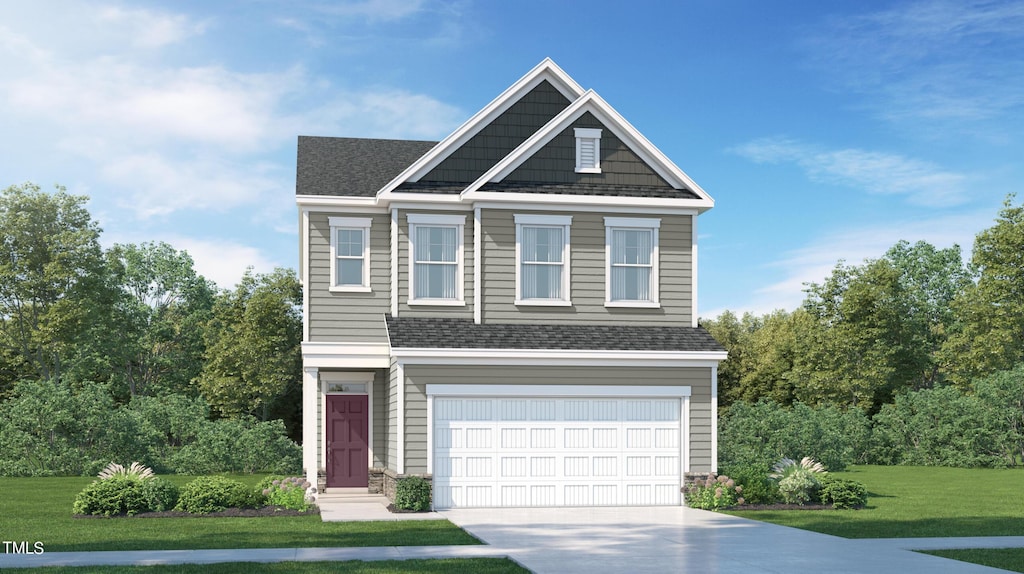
(556, 452)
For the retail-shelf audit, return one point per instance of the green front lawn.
(436, 566)
(914, 502)
(1006, 558)
(39, 509)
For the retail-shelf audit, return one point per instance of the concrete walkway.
(596, 540)
(363, 507)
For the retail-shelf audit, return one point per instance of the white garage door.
(572, 451)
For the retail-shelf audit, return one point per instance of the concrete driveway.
(679, 539)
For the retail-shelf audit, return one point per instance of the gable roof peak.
(546, 70)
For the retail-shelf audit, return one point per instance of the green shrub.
(111, 497)
(412, 493)
(762, 433)
(242, 445)
(715, 493)
(842, 493)
(757, 488)
(160, 494)
(289, 492)
(215, 493)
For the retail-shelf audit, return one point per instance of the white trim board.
(484, 390)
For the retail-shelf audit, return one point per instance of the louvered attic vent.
(588, 150)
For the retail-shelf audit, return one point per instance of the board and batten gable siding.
(418, 376)
(404, 309)
(501, 136)
(587, 273)
(347, 317)
(556, 161)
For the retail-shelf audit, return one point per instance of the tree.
(163, 308)
(988, 334)
(253, 355)
(51, 266)
(734, 336)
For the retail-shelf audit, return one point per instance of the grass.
(1011, 559)
(39, 509)
(434, 566)
(915, 502)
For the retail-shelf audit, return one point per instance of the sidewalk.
(153, 557)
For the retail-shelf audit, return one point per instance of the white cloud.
(922, 182)
(374, 9)
(223, 261)
(816, 261)
(929, 61)
(151, 29)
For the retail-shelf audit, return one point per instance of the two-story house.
(510, 312)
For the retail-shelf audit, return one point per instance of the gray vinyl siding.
(587, 273)
(391, 454)
(556, 161)
(501, 136)
(404, 309)
(345, 316)
(418, 376)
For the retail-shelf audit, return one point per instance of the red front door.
(347, 423)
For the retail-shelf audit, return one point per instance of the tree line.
(894, 338)
(134, 322)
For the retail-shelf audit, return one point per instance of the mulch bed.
(783, 507)
(229, 513)
(393, 510)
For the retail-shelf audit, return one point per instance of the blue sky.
(823, 130)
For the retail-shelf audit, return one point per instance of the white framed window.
(542, 259)
(588, 150)
(631, 255)
(350, 254)
(436, 259)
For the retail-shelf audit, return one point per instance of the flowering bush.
(798, 481)
(289, 492)
(715, 493)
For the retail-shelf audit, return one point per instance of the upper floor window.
(436, 256)
(350, 253)
(631, 248)
(542, 259)
(588, 150)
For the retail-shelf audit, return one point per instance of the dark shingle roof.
(432, 187)
(444, 333)
(352, 166)
(606, 189)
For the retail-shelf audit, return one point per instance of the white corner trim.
(640, 222)
(478, 304)
(400, 372)
(686, 436)
(304, 266)
(693, 272)
(475, 390)
(393, 269)
(714, 419)
(545, 70)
